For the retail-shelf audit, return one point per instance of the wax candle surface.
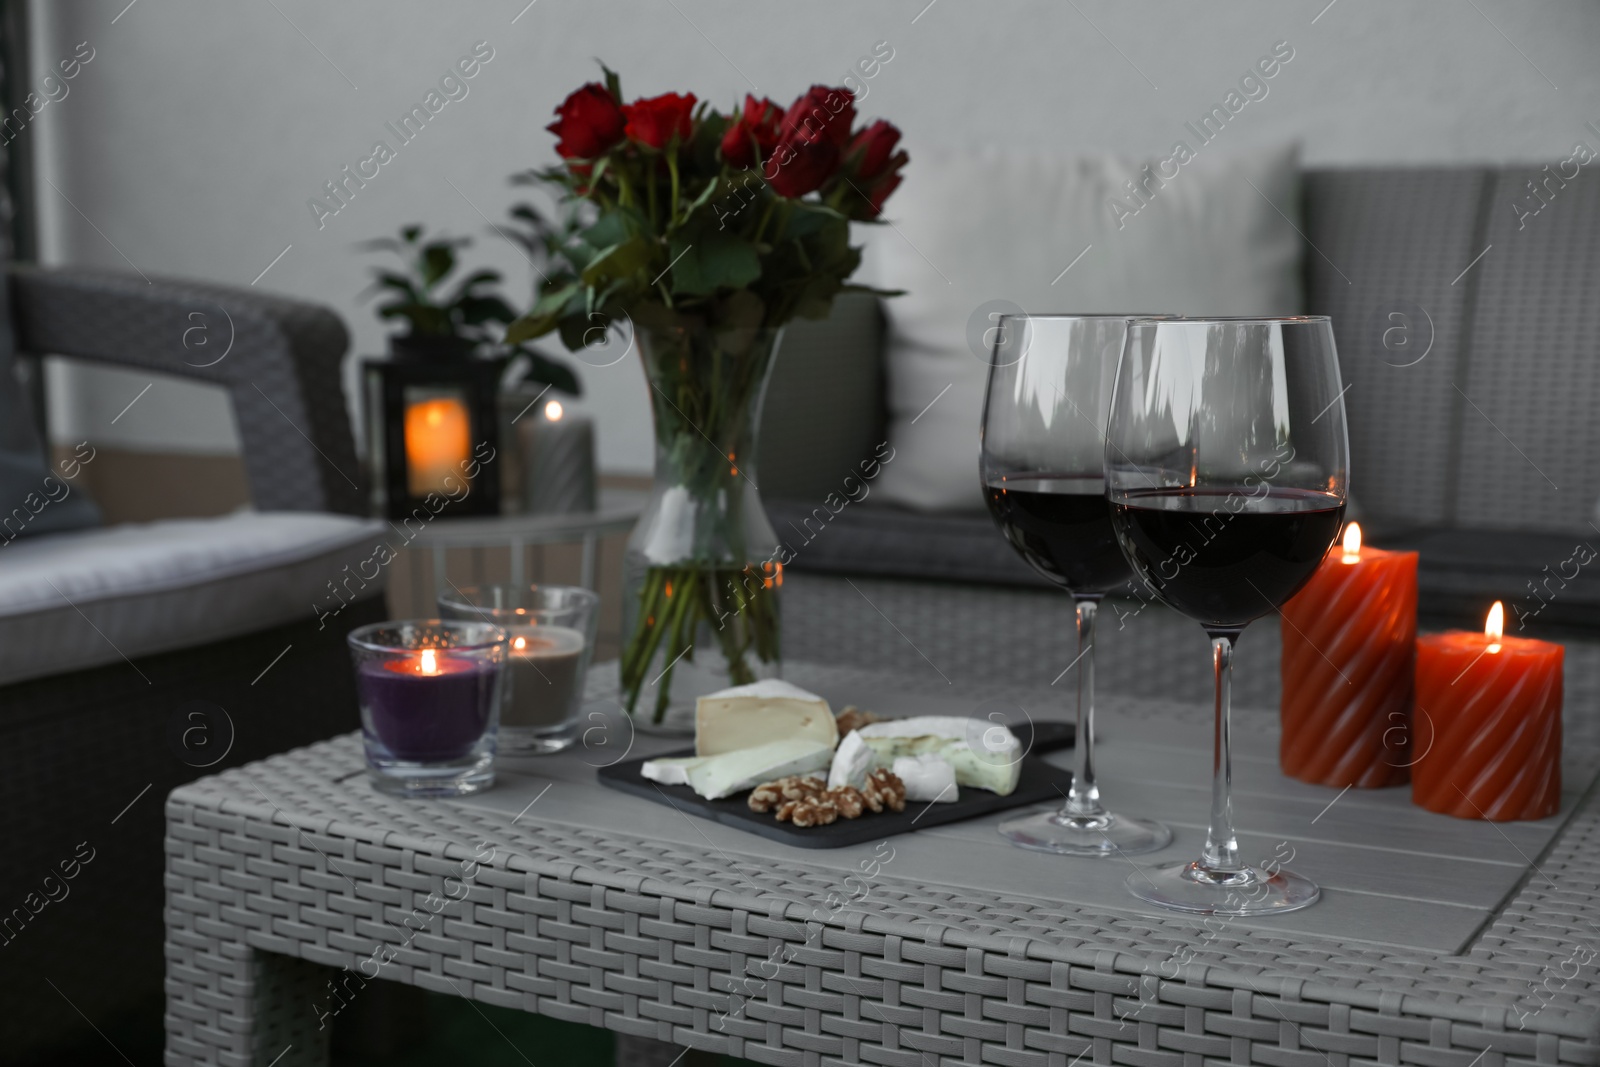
(1349, 640)
(543, 676)
(1488, 713)
(428, 715)
(558, 462)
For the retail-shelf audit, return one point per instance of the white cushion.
(975, 228)
(91, 597)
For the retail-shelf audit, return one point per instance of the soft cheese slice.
(983, 754)
(714, 777)
(750, 715)
(851, 762)
(674, 771)
(927, 778)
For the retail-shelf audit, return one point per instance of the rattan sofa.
(92, 740)
(1473, 386)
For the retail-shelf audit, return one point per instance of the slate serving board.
(1040, 782)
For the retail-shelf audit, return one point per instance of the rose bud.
(798, 167)
(753, 134)
(821, 114)
(587, 123)
(873, 166)
(656, 121)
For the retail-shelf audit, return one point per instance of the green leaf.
(531, 325)
(411, 233)
(618, 261)
(715, 260)
(437, 261)
(552, 372)
(477, 310)
(613, 83)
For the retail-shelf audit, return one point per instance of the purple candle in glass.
(429, 691)
(430, 705)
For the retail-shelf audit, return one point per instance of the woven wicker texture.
(1529, 433)
(296, 856)
(281, 372)
(1385, 246)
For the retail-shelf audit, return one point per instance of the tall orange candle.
(1488, 711)
(1349, 640)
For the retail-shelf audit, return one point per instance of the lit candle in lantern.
(1488, 710)
(438, 441)
(558, 462)
(1349, 639)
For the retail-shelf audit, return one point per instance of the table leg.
(439, 577)
(230, 1004)
(519, 572)
(586, 578)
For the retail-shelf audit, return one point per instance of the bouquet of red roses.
(707, 232)
(690, 206)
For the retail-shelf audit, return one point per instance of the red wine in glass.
(1061, 525)
(1226, 463)
(1043, 474)
(1226, 556)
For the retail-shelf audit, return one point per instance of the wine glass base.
(1105, 834)
(1252, 891)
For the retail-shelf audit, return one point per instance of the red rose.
(753, 134)
(821, 114)
(656, 121)
(873, 166)
(587, 123)
(798, 167)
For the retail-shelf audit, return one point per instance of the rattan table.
(1438, 942)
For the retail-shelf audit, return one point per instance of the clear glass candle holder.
(430, 704)
(551, 632)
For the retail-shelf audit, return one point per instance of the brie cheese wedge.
(983, 754)
(726, 773)
(750, 715)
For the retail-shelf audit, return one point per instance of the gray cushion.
(91, 597)
(883, 541)
(825, 410)
(1529, 437)
(1548, 581)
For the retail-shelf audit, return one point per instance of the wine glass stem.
(1222, 848)
(1083, 798)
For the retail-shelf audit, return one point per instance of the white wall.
(193, 140)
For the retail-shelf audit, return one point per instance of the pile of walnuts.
(807, 801)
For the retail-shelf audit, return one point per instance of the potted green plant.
(707, 232)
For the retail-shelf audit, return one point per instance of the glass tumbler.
(429, 691)
(551, 633)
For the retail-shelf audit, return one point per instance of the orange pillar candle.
(1488, 711)
(1349, 638)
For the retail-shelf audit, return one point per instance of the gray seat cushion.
(91, 597)
(882, 541)
(1548, 581)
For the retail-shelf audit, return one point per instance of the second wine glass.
(1044, 422)
(1226, 461)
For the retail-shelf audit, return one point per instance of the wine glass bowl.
(1043, 473)
(1226, 461)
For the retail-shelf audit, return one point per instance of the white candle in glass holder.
(544, 676)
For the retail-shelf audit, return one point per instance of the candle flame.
(519, 643)
(1494, 627)
(1352, 543)
(553, 411)
(430, 661)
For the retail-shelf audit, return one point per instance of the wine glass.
(1226, 458)
(1043, 470)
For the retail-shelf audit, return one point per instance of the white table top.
(617, 511)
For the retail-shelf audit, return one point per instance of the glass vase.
(701, 571)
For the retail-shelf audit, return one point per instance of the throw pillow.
(976, 234)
